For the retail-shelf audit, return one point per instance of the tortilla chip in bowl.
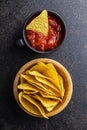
(43, 87)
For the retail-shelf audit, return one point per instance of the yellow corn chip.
(40, 23)
(28, 105)
(22, 80)
(27, 86)
(45, 101)
(52, 74)
(30, 79)
(62, 90)
(44, 81)
(36, 73)
(51, 107)
(29, 92)
(46, 95)
(37, 104)
(40, 67)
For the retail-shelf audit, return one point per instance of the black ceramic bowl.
(23, 41)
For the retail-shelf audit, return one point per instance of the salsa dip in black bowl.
(37, 41)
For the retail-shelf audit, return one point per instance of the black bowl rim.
(36, 13)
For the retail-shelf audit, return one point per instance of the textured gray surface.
(72, 54)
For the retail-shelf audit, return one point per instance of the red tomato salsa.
(46, 43)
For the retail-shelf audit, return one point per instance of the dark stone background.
(72, 54)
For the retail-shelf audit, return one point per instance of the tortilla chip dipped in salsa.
(41, 88)
(40, 23)
(44, 32)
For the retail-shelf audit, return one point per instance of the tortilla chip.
(30, 79)
(52, 74)
(27, 86)
(46, 95)
(22, 80)
(40, 23)
(28, 105)
(51, 107)
(40, 67)
(37, 104)
(36, 73)
(46, 82)
(29, 92)
(45, 101)
(62, 90)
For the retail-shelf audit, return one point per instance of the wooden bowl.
(68, 85)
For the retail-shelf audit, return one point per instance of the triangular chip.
(27, 87)
(52, 73)
(40, 67)
(37, 104)
(46, 82)
(45, 95)
(28, 105)
(31, 80)
(45, 101)
(62, 91)
(51, 107)
(40, 23)
(29, 92)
